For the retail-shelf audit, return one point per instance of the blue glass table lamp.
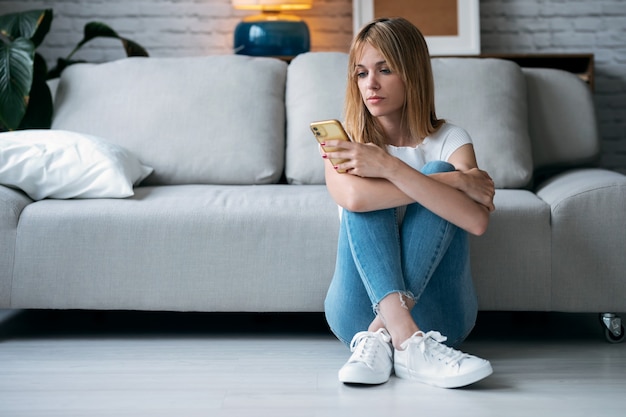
(272, 33)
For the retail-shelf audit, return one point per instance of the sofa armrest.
(588, 220)
(12, 203)
(579, 183)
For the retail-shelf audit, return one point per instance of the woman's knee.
(339, 327)
(434, 167)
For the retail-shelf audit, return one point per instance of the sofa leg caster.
(613, 327)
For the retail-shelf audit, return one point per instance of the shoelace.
(367, 350)
(433, 342)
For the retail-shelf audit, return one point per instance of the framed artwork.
(451, 27)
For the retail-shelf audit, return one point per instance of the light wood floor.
(156, 364)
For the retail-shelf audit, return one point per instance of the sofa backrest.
(487, 97)
(222, 119)
(562, 120)
(204, 120)
(523, 122)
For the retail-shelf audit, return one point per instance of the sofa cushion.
(316, 85)
(61, 164)
(210, 120)
(181, 248)
(511, 262)
(487, 97)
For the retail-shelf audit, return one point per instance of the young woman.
(410, 194)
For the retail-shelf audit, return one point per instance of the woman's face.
(382, 90)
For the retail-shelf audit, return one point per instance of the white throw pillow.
(62, 164)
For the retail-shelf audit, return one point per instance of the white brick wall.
(200, 27)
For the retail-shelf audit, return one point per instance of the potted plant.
(25, 99)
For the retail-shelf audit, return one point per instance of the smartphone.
(329, 130)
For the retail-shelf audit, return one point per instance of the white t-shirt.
(437, 147)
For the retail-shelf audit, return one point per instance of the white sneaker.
(371, 361)
(425, 359)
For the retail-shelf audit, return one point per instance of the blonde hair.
(404, 48)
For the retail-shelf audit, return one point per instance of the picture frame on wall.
(451, 27)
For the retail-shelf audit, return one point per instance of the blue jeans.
(423, 256)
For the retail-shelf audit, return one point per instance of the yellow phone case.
(329, 130)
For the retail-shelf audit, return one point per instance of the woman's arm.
(361, 194)
(477, 184)
(377, 180)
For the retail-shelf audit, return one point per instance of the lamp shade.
(272, 5)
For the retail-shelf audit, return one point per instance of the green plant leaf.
(133, 48)
(100, 30)
(33, 25)
(16, 78)
(39, 111)
(94, 30)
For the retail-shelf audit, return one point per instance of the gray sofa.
(236, 217)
